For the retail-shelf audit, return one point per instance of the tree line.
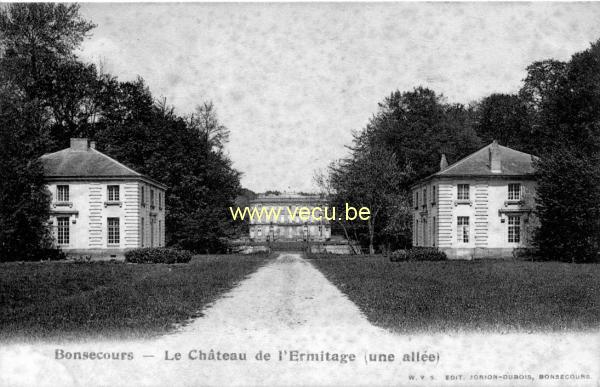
(48, 95)
(555, 115)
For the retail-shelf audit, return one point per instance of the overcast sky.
(291, 81)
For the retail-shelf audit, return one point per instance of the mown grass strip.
(61, 301)
(494, 295)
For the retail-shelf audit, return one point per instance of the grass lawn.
(101, 300)
(499, 296)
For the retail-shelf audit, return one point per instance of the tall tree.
(68, 98)
(402, 143)
(24, 200)
(419, 126)
(369, 179)
(568, 196)
(543, 80)
(38, 41)
(569, 170)
(178, 152)
(36, 46)
(206, 123)
(505, 118)
(35, 36)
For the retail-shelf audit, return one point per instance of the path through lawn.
(287, 305)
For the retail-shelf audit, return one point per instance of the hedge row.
(49, 254)
(418, 254)
(158, 255)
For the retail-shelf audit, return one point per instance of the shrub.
(398, 256)
(158, 255)
(418, 254)
(44, 254)
(526, 253)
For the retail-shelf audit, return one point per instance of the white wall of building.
(287, 227)
(89, 209)
(487, 209)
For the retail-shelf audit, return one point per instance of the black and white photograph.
(300, 194)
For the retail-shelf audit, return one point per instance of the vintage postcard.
(299, 194)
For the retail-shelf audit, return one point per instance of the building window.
(424, 223)
(514, 229)
(514, 191)
(463, 192)
(416, 200)
(424, 197)
(142, 233)
(151, 198)
(416, 232)
(62, 193)
(433, 198)
(113, 193)
(160, 201)
(63, 230)
(152, 221)
(159, 232)
(463, 229)
(113, 231)
(433, 231)
(143, 197)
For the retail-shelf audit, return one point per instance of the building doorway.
(152, 221)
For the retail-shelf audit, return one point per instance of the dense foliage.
(49, 96)
(185, 153)
(569, 172)
(555, 115)
(402, 143)
(35, 40)
(24, 200)
(569, 194)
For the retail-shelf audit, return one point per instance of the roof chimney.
(495, 158)
(79, 144)
(93, 144)
(443, 162)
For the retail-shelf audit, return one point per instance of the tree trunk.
(356, 239)
(371, 234)
(348, 238)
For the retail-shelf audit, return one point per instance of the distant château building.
(286, 227)
(480, 206)
(100, 207)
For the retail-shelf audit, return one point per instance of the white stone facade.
(474, 215)
(103, 216)
(286, 227)
(89, 210)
